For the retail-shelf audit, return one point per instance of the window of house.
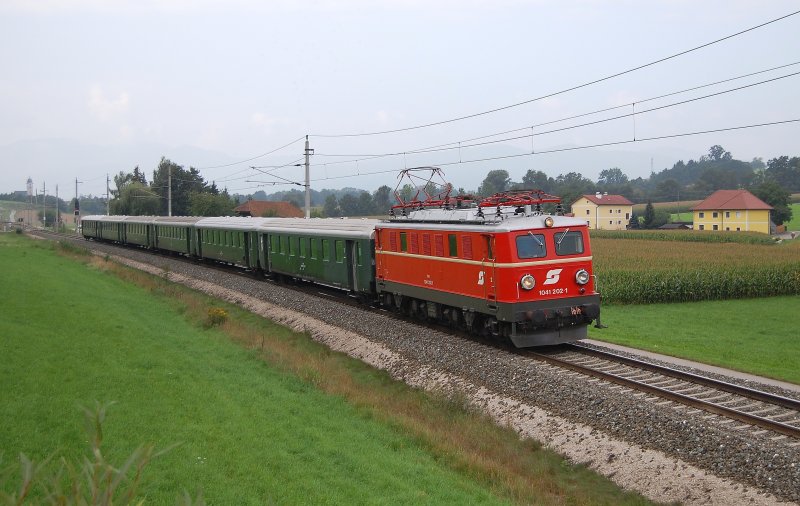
(727, 214)
(588, 212)
(738, 229)
(531, 246)
(702, 215)
(702, 227)
(714, 214)
(627, 216)
(716, 227)
(610, 222)
(728, 229)
(738, 214)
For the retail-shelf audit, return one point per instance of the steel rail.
(750, 393)
(734, 414)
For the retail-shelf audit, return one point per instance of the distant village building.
(603, 211)
(732, 210)
(268, 209)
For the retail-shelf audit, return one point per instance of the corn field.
(636, 271)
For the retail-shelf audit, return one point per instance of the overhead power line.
(253, 158)
(561, 92)
(576, 148)
(462, 144)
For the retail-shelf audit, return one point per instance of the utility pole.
(44, 204)
(169, 190)
(58, 212)
(108, 197)
(77, 208)
(308, 152)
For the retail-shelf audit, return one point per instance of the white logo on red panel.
(552, 276)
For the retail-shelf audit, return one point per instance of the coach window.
(326, 250)
(314, 249)
(531, 246)
(284, 246)
(303, 247)
(403, 242)
(569, 243)
(358, 253)
(339, 251)
(292, 246)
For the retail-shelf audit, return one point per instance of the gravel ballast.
(667, 454)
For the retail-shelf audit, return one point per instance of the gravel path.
(665, 453)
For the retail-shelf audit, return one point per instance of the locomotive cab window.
(453, 244)
(569, 243)
(403, 242)
(531, 246)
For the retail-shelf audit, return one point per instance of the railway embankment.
(666, 452)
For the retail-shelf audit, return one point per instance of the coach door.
(351, 258)
(487, 277)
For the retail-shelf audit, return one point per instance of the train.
(499, 267)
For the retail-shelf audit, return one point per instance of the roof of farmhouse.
(268, 208)
(731, 200)
(607, 200)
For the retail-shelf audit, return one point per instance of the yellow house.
(603, 211)
(732, 211)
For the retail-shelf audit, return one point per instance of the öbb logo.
(552, 276)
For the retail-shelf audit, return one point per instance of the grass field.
(759, 336)
(262, 415)
(794, 224)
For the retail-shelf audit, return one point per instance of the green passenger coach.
(333, 252)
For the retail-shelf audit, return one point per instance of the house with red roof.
(603, 211)
(734, 211)
(268, 209)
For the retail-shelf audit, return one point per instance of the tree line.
(773, 182)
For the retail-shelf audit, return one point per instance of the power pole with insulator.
(308, 180)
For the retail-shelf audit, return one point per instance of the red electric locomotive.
(499, 266)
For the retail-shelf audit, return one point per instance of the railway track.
(751, 407)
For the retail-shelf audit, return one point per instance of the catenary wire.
(460, 144)
(575, 148)
(566, 90)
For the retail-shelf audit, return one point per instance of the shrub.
(216, 316)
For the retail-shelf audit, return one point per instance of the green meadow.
(258, 414)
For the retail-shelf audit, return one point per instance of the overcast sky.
(91, 87)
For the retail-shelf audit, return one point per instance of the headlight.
(527, 282)
(582, 277)
(548, 222)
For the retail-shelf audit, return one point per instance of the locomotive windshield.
(569, 243)
(531, 246)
